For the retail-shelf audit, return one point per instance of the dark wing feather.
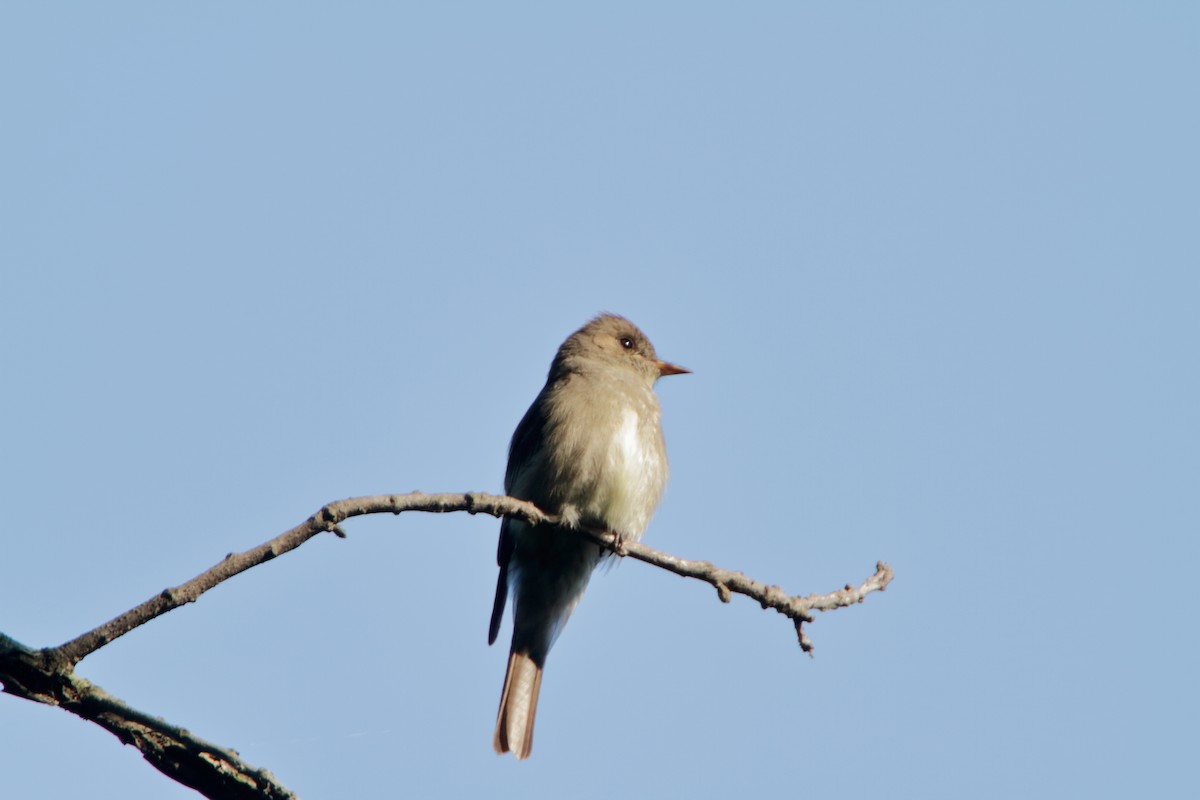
(523, 453)
(503, 554)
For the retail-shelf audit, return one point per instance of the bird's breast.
(631, 481)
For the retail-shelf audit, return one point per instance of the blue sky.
(935, 268)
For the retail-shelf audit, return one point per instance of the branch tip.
(805, 644)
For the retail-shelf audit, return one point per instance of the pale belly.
(632, 481)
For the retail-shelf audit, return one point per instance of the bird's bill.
(666, 368)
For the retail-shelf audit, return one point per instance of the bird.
(590, 451)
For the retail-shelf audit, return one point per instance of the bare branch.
(328, 518)
(795, 608)
(325, 520)
(47, 675)
(210, 769)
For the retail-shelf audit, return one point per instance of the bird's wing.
(503, 554)
(524, 461)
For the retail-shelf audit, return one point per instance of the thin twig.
(329, 517)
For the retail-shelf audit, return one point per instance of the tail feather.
(518, 706)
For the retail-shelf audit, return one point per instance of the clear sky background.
(935, 267)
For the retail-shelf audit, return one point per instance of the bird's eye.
(626, 342)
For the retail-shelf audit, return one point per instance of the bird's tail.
(518, 705)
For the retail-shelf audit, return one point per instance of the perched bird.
(589, 450)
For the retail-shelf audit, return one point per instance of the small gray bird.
(590, 450)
